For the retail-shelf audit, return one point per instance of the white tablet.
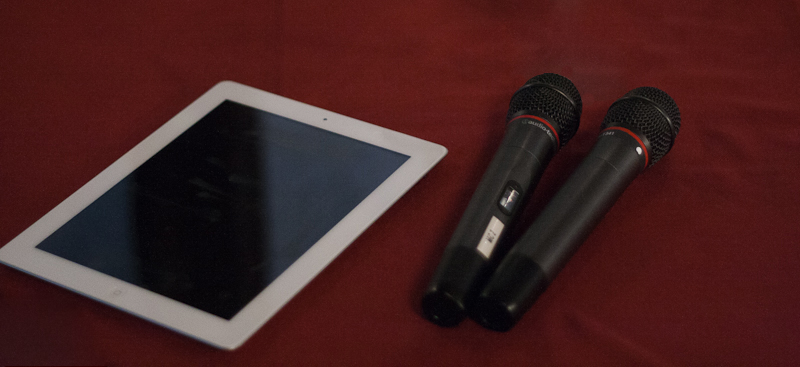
(222, 215)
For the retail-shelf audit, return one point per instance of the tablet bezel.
(21, 252)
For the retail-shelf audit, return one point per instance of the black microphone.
(543, 116)
(638, 130)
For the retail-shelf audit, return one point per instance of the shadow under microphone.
(638, 130)
(543, 116)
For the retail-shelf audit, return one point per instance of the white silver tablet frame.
(21, 252)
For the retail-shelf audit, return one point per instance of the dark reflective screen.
(225, 208)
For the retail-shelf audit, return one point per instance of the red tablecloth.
(697, 264)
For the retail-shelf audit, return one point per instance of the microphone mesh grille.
(636, 112)
(663, 100)
(544, 97)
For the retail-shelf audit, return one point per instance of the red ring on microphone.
(537, 118)
(639, 140)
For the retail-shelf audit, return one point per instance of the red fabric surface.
(697, 263)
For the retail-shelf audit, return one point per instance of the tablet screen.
(225, 208)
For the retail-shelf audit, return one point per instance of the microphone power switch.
(509, 200)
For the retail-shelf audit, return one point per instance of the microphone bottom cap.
(492, 314)
(456, 282)
(511, 291)
(443, 309)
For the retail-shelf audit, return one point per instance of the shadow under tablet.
(214, 217)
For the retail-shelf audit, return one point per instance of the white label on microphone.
(490, 236)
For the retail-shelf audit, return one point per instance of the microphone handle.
(469, 257)
(561, 227)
